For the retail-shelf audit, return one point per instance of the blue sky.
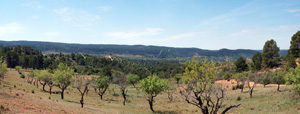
(206, 24)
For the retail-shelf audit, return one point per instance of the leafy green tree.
(200, 89)
(63, 76)
(270, 54)
(73, 56)
(177, 77)
(12, 59)
(50, 81)
(293, 77)
(291, 62)
(152, 86)
(45, 78)
(257, 60)
(102, 85)
(295, 45)
(278, 78)
(3, 70)
(133, 78)
(241, 65)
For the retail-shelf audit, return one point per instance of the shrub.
(57, 92)
(115, 94)
(32, 91)
(239, 98)
(128, 101)
(233, 87)
(1, 107)
(15, 86)
(49, 97)
(22, 76)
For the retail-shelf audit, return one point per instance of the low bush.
(239, 98)
(32, 91)
(115, 94)
(22, 76)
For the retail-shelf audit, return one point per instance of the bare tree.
(252, 77)
(82, 86)
(121, 79)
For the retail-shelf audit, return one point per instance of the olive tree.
(152, 86)
(200, 88)
(63, 77)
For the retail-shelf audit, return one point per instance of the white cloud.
(133, 34)
(105, 8)
(293, 10)
(10, 28)
(33, 4)
(78, 18)
(52, 33)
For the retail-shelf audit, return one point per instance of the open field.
(20, 99)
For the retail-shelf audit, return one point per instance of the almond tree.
(121, 80)
(152, 86)
(63, 77)
(278, 78)
(102, 85)
(199, 88)
(82, 86)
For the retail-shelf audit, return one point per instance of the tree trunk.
(133, 85)
(264, 85)
(44, 87)
(81, 101)
(251, 91)
(37, 84)
(278, 87)
(151, 104)
(101, 96)
(242, 87)
(62, 93)
(124, 96)
(50, 90)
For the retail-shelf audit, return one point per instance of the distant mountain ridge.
(136, 51)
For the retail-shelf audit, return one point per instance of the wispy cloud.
(33, 4)
(78, 18)
(133, 34)
(105, 8)
(52, 33)
(10, 28)
(293, 10)
(262, 31)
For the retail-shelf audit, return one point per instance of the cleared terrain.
(20, 99)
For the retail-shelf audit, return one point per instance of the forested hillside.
(136, 51)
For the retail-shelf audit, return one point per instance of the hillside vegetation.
(137, 51)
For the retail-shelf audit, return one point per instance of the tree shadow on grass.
(165, 112)
(73, 102)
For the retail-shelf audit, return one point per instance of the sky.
(205, 24)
